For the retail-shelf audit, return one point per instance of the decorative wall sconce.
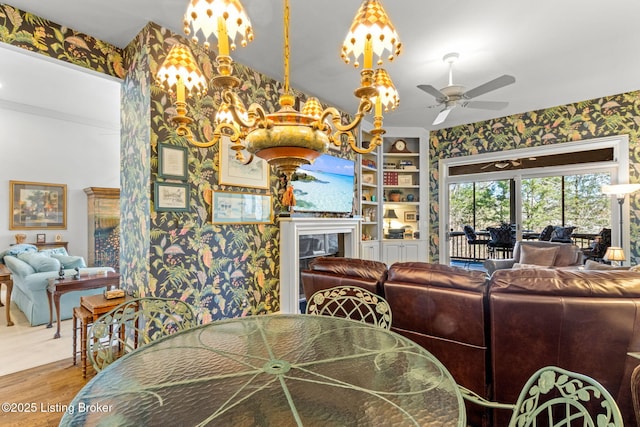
(288, 138)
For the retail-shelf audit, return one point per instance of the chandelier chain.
(286, 46)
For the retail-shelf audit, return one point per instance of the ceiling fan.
(503, 164)
(455, 95)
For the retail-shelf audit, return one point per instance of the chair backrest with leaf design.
(134, 324)
(352, 303)
(556, 397)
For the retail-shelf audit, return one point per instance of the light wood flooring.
(45, 386)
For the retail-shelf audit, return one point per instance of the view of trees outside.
(585, 207)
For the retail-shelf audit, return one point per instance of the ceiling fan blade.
(486, 105)
(494, 84)
(442, 115)
(433, 91)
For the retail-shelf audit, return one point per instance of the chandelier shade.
(371, 33)
(180, 68)
(387, 93)
(230, 21)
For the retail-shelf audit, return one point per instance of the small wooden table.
(57, 287)
(99, 305)
(5, 278)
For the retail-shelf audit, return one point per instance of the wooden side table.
(57, 287)
(98, 305)
(82, 315)
(5, 278)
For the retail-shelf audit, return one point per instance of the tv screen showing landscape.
(324, 186)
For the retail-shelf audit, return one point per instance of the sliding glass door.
(572, 200)
(528, 204)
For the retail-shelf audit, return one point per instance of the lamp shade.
(180, 65)
(221, 19)
(371, 33)
(614, 254)
(619, 190)
(390, 214)
(387, 92)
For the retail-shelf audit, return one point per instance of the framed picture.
(241, 208)
(37, 205)
(251, 172)
(41, 238)
(410, 217)
(172, 162)
(405, 180)
(171, 197)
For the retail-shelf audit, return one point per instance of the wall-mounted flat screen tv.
(325, 186)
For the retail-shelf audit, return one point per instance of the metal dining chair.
(556, 397)
(352, 303)
(134, 324)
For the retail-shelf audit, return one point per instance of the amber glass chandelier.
(286, 138)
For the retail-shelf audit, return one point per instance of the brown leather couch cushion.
(548, 282)
(583, 321)
(366, 269)
(328, 272)
(443, 309)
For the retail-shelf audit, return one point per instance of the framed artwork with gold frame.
(37, 205)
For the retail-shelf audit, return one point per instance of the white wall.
(40, 147)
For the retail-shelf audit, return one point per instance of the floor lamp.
(620, 191)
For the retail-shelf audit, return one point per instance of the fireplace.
(304, 238)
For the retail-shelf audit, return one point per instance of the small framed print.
(241, 208)
(171, 197)
(41, 238)
(410, 216)
(251, 172)
(172, 162)
(405, 180)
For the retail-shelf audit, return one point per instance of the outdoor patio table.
(283, 370)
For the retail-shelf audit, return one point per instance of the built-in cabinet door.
(403, 251)
(391, 252)
(370, 251)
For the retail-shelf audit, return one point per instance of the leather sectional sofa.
(493, 332)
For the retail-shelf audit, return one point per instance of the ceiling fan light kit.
(454, 95)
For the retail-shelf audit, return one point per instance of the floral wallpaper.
(33, 33)
(596, 118)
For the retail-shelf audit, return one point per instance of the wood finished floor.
(45, 386)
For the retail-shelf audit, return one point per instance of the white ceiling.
(559, 51)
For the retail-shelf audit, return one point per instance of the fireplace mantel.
(291, 228)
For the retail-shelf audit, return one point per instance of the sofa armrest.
(498, 264)
(18, 267)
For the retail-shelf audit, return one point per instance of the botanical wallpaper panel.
(30, 32)
(596, 118)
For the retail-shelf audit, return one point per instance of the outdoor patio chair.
(599, 246)
(134, 324)
(501, 240)
(352, 303)
(473, 241)
(556, 397)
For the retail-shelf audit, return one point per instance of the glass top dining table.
(273, 370)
